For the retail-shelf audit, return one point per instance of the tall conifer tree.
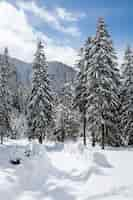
(40, 101)
(103, 83)
(127, 98)
(5, 97)
(81, 86)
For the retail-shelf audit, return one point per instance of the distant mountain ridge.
(59, 73)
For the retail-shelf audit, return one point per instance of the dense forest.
(97, 105)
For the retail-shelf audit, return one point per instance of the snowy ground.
(65, 172)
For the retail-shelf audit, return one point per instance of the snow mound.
(65, 172)
(56, 147)
(101, 160)
(36, 168)
(78, 149)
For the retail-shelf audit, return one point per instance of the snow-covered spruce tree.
(61, 122)
(39, 109)
(5, 96)
(81, 90)
(127, 98)
(15, 90)
(80, 100)
(23, 94)
(11, 81)
(103, 83)
(12, 87)
(67, 121)
(87, 60)
(72, 120)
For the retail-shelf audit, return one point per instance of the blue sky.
(63, 24)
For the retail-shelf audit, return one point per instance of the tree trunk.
(63, 135)
(84, 128)
(40, 139)
(1, 138)
(106, 135)
(93, 139)
(103, 136)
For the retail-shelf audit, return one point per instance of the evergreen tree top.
(128, 55)
(102, 50)
(6, 57)
(127, 66)
(40, 58)
(101, 29)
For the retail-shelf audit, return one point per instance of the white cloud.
(65, 15)
(64, 54)
(20, 37)
(15, 32)
(52, 18)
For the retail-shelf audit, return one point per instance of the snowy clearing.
(65, 172)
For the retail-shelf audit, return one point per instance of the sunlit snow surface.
(65, 172)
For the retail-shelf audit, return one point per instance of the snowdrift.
(67, 171)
